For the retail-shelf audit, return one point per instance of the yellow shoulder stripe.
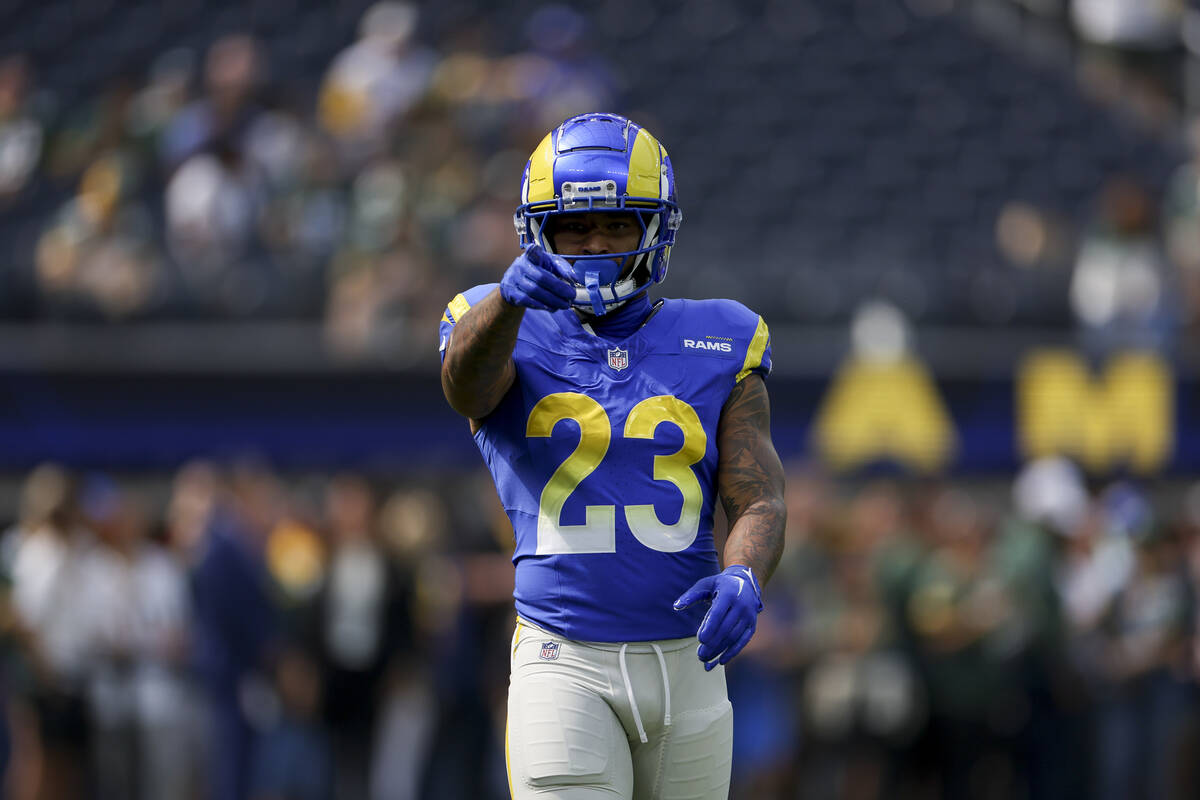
(457, 307)
(754, 353)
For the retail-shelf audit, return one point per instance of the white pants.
(641, 721)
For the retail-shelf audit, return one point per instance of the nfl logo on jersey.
(618, 359)
(549, 651)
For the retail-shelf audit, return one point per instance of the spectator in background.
(361, 626)
(234, 73)
(95, 128)
(375, 82)
(962, 615)
(1122, 294)
(156, 104)
(296, 560)
(295, 760)
(383, 279)
(138, 621)
(235, 620)
(48, 544)
(305, 214)
(1050, 505)
(98, 258)
(213, 204)
(412, 527)
(1181, 224)
(862, 700)
(277, 141)
(465, 587)
(1141, 37)
(21, 131)
(1145, 660)
(19, 745)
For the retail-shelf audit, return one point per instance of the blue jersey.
(605, 458)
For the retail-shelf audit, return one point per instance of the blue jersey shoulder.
(729, 318)
(721, 312)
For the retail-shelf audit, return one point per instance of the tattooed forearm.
(478, 368)
(751, 480)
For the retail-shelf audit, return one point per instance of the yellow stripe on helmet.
(645, 166)
(539, 187)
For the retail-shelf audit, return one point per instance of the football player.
(611, 424)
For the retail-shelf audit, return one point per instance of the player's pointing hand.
(533, 280)
(735, 599)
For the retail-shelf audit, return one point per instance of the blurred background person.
(233, 76)
(295, 758)
(48, 545)
(863, 702)
(98, 258)
(138, 617)
(1123, 292)
(375, 82)
(362, 630)
(1144, 658)
(236, 620)
(22, 132)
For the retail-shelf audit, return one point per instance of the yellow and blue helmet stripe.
(603, 162)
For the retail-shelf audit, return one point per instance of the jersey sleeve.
(758, 353)
(455, 310)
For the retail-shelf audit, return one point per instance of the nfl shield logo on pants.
(618, 359)
(549, 651)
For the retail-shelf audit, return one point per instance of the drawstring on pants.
(637, 717)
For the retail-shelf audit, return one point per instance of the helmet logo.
(618, 359)
(588, 193)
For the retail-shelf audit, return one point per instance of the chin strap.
(592, 281)
(601, 298)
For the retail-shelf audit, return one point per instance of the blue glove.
(535, 280)
(732, 616)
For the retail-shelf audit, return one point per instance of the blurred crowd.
(241, 636)
(221, 182)
(245, 634)
(210, 188)
(933, 641)
(1135, 262)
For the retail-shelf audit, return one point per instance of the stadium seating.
(824, 150)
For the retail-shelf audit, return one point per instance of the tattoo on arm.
(751, 479)
(478, 368)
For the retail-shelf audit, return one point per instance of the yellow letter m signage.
(1124, 416)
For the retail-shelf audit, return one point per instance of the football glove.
(735, 600)
(535, 280)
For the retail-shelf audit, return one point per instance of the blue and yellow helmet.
(603, 162)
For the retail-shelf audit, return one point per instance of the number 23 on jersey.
(598, 533)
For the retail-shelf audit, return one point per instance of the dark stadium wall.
(1127, 416)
